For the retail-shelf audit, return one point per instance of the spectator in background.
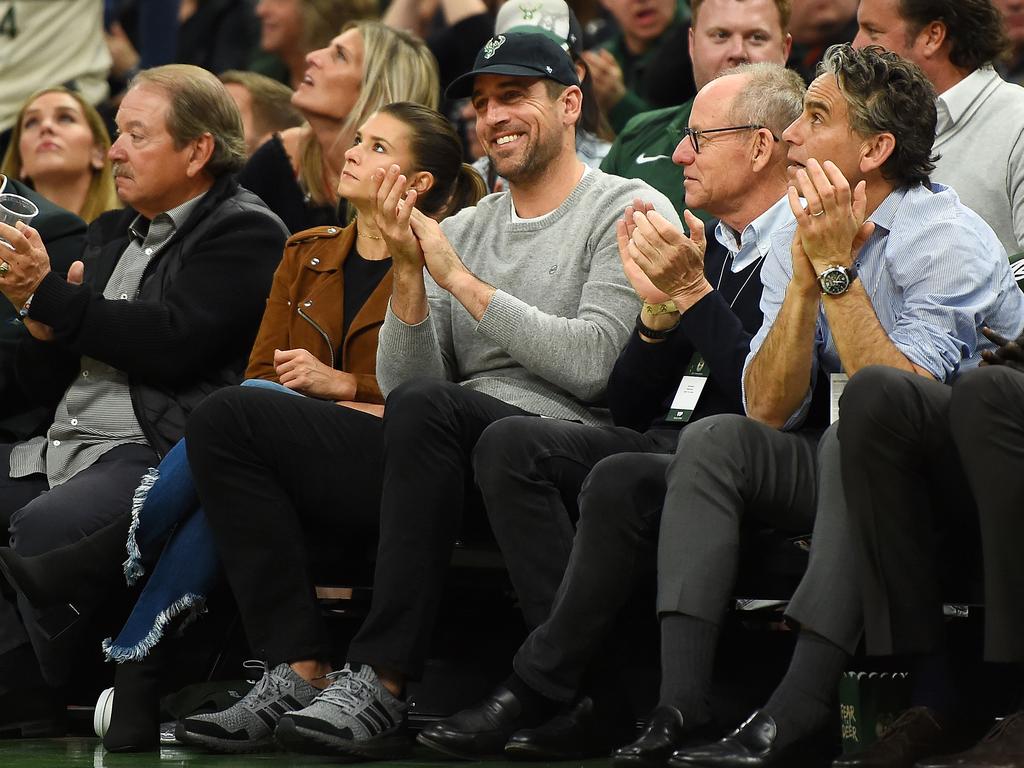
(59, 146)
(216, 35)
(815, 25)
(264, 104)
(368, 65)
(59, 42)
(290, 29)
(724, 34)
(454, 30)
(979, 138)
(1012, 68)
(644, 66)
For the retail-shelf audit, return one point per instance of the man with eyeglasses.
(701, 309)
(881, 268)
(723, 34)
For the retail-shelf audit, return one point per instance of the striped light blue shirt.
(935, 272)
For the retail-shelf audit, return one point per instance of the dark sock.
(135, 719)
(536, 706)
(687, 659)
(805, 697)
(933, 686)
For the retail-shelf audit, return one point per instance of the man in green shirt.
(725, 33)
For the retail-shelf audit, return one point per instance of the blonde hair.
(102, 195)
(397, 66)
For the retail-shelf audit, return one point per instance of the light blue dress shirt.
(935, 272)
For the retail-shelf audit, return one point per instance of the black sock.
(687, 659)
(536, 706)
(803, 700)
(933, 686)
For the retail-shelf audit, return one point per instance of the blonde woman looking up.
(290, 29)
(364, 68)
(59, 146)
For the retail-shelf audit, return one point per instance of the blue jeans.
(170, 536)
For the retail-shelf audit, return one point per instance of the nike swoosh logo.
(642, 158)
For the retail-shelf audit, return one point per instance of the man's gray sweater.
(561, 312)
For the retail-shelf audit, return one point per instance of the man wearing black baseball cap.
(519, 54)
(523, 312)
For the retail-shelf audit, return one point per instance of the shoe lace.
(1005, 725)
(268, 687)
(347, 690)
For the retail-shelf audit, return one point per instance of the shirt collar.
(756, 238)
(139, 227)
(954, 102)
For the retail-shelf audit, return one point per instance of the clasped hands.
(832, 227)
(414, 239)
(660, 261)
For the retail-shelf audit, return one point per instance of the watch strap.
(650, 333)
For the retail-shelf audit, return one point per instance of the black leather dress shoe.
(752, 745)
(1002, 747)
(914, 735)
(480, 730)
(664, 733)
(567, 736)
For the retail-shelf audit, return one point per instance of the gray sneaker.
(355, 717)
(248, 725)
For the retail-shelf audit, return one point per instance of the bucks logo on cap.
(491, 46)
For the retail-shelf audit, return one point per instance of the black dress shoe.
(1002, 747)
(914, 735)
(481, 730)
(567, 736)
(665, 732)
(752, 745)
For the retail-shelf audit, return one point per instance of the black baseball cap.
(519, 54)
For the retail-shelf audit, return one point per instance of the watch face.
(834, 281)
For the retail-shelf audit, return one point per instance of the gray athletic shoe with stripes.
(248, 725)
(355, 717)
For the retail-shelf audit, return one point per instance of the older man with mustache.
(161, 310)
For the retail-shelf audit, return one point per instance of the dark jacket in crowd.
(189, 330)
(64, 236)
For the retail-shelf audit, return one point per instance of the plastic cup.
(15, 208)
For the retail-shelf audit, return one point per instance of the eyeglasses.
(695, 135)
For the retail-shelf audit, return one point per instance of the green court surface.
(88, 753)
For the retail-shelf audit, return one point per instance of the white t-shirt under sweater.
(561, 313)
(980, 137)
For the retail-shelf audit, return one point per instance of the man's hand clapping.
(660, 261)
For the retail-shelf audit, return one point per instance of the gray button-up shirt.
(96, 413)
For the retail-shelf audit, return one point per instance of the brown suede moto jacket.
(305, 310)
